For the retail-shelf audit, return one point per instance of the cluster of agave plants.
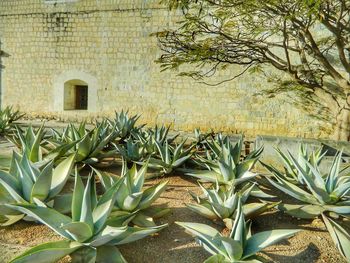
(60, 178)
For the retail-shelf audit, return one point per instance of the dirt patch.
(173, 245)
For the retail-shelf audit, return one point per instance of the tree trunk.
(342, 126)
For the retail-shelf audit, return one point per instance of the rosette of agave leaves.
(221, 204)
(26, 184)
(134, 202)
(291, 173)
(90, 234)
(240, 245)
(169, 158)
(317, 192)
(35, 143)
(91, 146)
(224, 163)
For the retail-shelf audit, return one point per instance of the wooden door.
(81, 97)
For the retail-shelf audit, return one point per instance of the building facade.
(74, 59)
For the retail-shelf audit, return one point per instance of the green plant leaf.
(83, 148)
(108, 234)
(61, 203)
(8, 220)
(104, 206)
(302, 211)
(15, 194)
(80, 231)
(142, 220)
(77, 199)
(135, 233)
(41, 187)
(293, 190)
(151, 194)
(340, 237)
(206, 235)
(47, 252)
(86, 209)
(26, 182)
(47, 216)
(203, 210)
(10, 180)
(60, 175)
(109, 254)
(264, 239)
(85, 254)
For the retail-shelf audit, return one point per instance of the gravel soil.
(173, 245)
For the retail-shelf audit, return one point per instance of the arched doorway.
(76, 95)
(75, 90)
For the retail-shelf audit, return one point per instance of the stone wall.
(107, 44)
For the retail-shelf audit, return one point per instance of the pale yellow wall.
(109, 42)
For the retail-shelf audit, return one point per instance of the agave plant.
(150, 137)
(35, 144)
(91, 147)
(224, 163)
(290, 171)
(200, 139)
(7, 117)
(221, 203)
(125, 125)
(340, 237)
(26, 184)
(321, 193)
(240, 245)
(90, 235)
(170, 157)
(132, 151)
(132, 200)
(29, 142)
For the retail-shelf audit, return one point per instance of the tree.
(307, 40)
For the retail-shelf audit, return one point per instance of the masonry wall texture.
(107, 44)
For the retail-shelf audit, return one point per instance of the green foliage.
(7, 117)
(133, 201)
(168, 158)
(221, 203)
(36, 145)
(290, 171)
(91, 146)
(132, 151)
(26, 184)
(90, 235)
(240, 245)
(124, 124)
(150, 137)
(339, 235)
(29, 142)
(319, 193)
(224, 163)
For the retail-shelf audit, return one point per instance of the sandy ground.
(173, 245)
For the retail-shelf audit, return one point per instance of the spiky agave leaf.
(224, 163)
(131, 196)
(340, 236)
(240, 245)
(319, 193)
(25, 184)
(170, 158)
(90, 146)
(87, 234)
(221, 203)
